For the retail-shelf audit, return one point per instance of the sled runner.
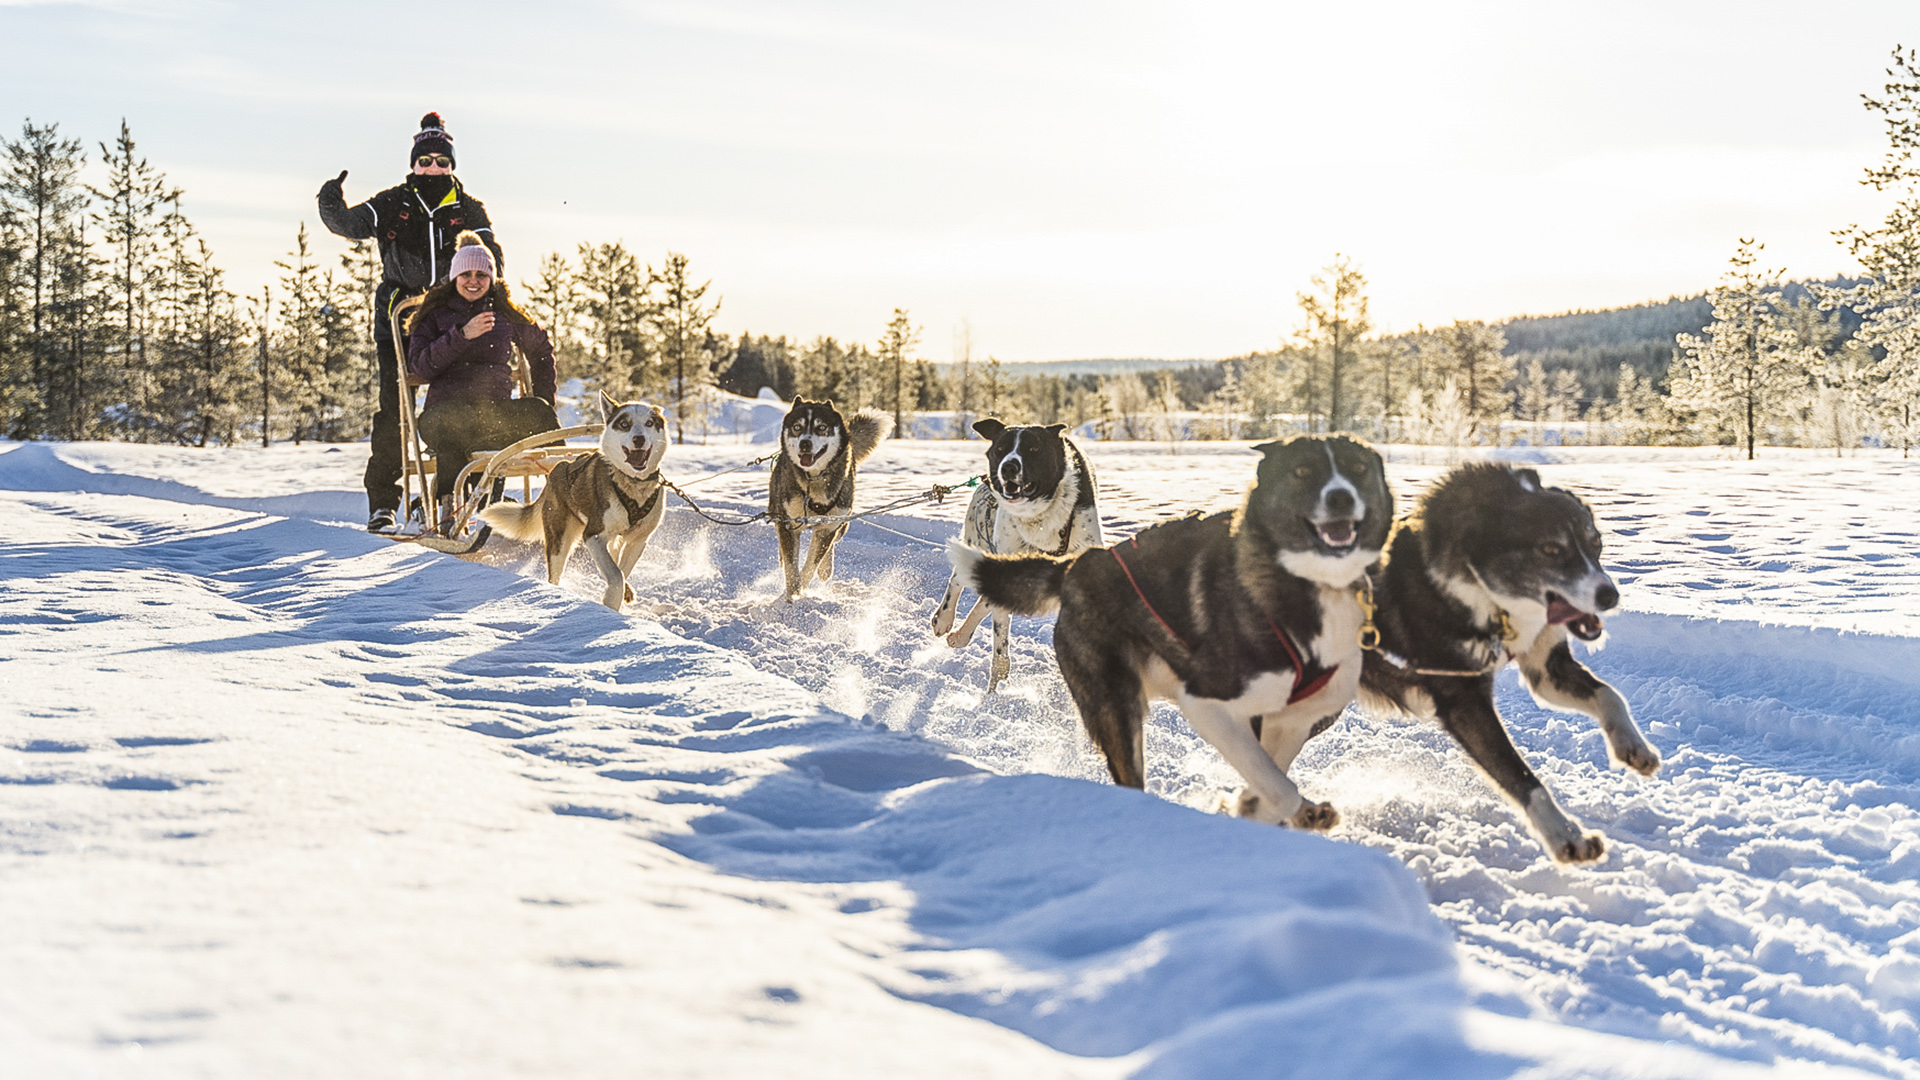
(531, 457)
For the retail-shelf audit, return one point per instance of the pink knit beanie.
(472, 254)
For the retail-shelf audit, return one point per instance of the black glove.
(333, 188)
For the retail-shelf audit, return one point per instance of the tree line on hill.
(115, 322)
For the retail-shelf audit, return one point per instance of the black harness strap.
(637, 512)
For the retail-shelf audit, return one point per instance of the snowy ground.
(279, 798)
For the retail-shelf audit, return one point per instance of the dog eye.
(1552, 549)
(1303, 471)
(622, 424)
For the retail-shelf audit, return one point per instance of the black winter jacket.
(416, 234)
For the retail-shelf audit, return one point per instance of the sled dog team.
(1259, 624)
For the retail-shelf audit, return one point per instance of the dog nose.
(1340, 501)
(1606, 596)
(1010, 473)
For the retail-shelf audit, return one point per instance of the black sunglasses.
(441, 160)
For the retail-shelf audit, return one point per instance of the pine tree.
(173, 289)
(1471, 357)
(16, 386)
(259, 324)
(40, 191)
(554, 303)
(75, 376)
(963, 360)
(216, 380)
(132, 214)
(615, 299)
(895, 351)
(1638, 415)
(820, 371)
(1226, 402)
(1530, 406)
(1889, 300)
(1336, 322)
(302, 356)
(679, 323)
(1749, 369)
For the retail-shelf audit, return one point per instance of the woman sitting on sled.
(460, 343)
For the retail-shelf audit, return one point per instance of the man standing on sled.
(416, 224)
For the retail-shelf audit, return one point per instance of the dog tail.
(1022, 584)
(514, 521)
(867, 428)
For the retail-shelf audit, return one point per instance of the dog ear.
(989, 428)
(1055, 429)
(1528, 478)
(608, 407)
(1268, 449)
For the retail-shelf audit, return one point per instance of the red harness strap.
(1310, 687)
(1115, 552)
(1301, 690)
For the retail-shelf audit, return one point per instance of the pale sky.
(1074, 180)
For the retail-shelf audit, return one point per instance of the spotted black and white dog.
(1493, 566)
(1248, 621)
(1038, 499)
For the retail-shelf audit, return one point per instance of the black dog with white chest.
(1496, 566)
(1038, 499)
(1248, 621)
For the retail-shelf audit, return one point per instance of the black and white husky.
(1495, 566)
(1038, 499)
(610, 499)
(813, 478)
(1247, 621)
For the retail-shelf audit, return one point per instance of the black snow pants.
(455, 429)
(383, 455)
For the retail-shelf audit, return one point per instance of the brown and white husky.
(611, 499)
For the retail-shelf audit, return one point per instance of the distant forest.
(1594, 344)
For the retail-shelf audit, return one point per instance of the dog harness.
(1308, 684)
(637, 512)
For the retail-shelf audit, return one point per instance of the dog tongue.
(1580, 624)
(1337, 533)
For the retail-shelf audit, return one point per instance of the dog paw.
(1247, 805)
(1315, 817)
(1641, 758)
(1586, 848)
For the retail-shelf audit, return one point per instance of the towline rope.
(935, 494)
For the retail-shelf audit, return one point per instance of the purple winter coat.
(481, 369)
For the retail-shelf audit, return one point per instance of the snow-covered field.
(278, 798)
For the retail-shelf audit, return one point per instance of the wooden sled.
(527, 459)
